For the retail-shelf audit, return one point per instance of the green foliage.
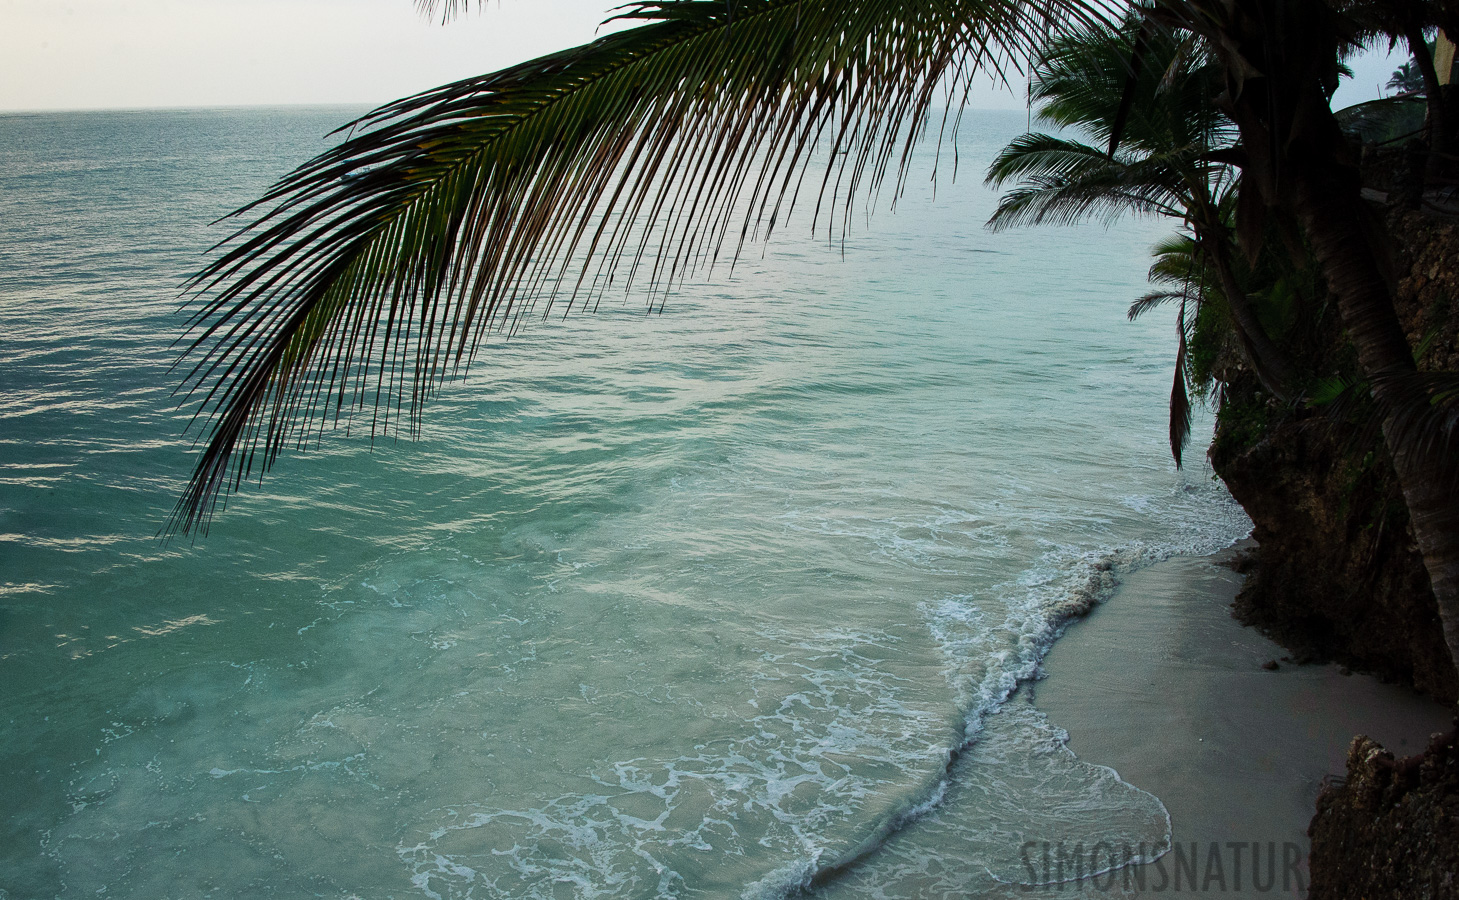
(1243, 418)
(1278, 305)
(1062, 182)
(1209, 337)
(1209, 347)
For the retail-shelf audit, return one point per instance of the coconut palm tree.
(1279, 63)
(370, 273)
(1165, 164)
(1407, 79)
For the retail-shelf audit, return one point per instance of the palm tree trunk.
(1438, 131)
(1280, 60)
(1266, 360)
(1326, 198)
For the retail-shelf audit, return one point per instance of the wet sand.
(1161, 684)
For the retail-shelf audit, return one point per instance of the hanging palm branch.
(373, 272)
(1180, 404)
(1177, 265)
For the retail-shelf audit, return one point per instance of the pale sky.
(111, 54)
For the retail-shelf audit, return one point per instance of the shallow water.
(714, 602)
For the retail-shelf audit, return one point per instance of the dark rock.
(1270, 665)
(1242, 562)
(1339, 577)
(1390, 830)
(1407, 190)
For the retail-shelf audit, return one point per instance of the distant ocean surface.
(721, 602)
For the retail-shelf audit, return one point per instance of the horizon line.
(193, 107)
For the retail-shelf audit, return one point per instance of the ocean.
(742, 598)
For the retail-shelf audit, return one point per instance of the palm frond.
(1063, 181)
(1423, 424)
(1176, 261)
(1152, 300)
(1180, 404)
(445, 10)
(1133, 68)
(1048, 155)
(1050, 202)
(374, 271)
(1385, 120)
(1152, 86)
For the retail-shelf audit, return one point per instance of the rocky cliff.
(1338, 576)
(1337, 573)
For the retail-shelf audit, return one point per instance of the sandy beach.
(1161, 684)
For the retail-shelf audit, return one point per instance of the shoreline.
(1160, 683)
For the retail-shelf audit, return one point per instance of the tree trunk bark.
(1327, 200)
(1438, 132)
(1268, 362)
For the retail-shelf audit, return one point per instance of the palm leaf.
(1064, 181)
(1180, 404)
(1424, 424)
(445, 10)
(1154, 299)
(373, 272)
(1176, 261)
(1091, 80)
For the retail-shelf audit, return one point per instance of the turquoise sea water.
(720, 602)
